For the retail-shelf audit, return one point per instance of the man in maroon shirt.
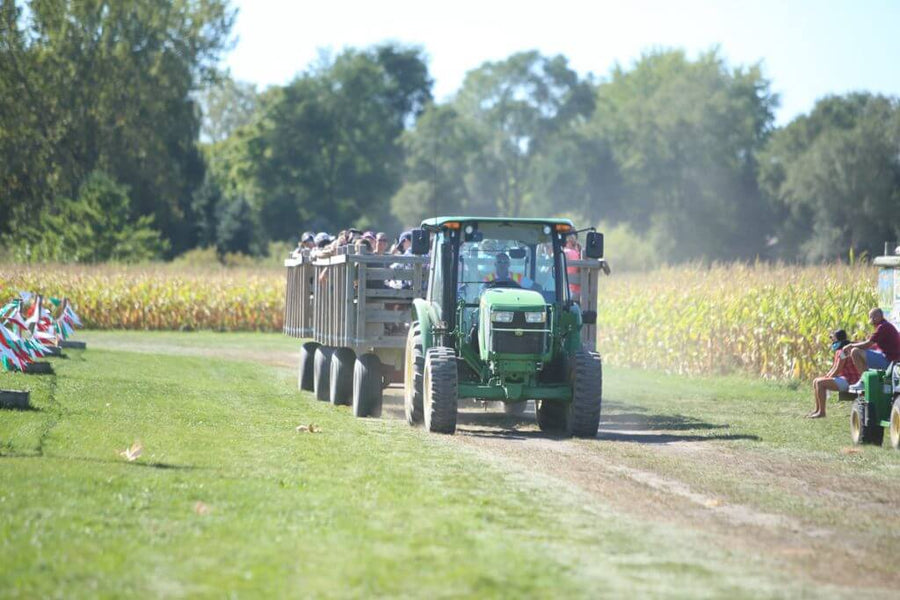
(885, 339)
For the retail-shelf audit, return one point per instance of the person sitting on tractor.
(842, 375)
(502, 275)
(885, 339)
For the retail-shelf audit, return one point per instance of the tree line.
(122, 139)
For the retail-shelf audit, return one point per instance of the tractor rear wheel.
(321, 371)
(367, 390)
(895, 423)
(340, 377)
(515, 408)
(440, 390)
(413, 372)
(864, 429)
(587, 395)
(307, 366)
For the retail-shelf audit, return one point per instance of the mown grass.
(362, 508)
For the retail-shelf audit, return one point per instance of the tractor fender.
(424, 312)
(571, 319)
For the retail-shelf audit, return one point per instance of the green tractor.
(498, 324)
(878, 405)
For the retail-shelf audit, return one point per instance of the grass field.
(229, 498)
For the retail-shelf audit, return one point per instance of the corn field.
(158, 297)
(768, 320)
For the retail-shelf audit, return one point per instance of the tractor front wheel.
(864, 428)
(440, 390)
(367, 390)
(307, 366)
(321, 371)
(413, 372)
(551, 416)
(587, 394)
(895, 423)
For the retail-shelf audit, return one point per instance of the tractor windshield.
(507, 255)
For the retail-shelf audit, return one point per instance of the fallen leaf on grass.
(201, 508)
(311, 428)
(712, 503)
(133, 453)
(850, 450)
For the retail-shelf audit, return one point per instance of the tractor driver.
(501, 274)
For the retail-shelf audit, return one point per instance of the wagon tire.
(321, 371)
(340, 377)
(306, 377)
(367, 390)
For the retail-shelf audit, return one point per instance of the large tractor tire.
(307, 366)
(340, 377)
(367, 390)
(321, 371)
(413, 373)
(895, 423)
(864, 429)
(587, 395)
(581, 416)
(515, 408)
(440, 390)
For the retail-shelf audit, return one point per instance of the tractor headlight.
(536, 317)
(502, 316)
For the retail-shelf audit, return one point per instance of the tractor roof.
(440, 221)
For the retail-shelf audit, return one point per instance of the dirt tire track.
(802, 548)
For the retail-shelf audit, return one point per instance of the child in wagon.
(842, 375)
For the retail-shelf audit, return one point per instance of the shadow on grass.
(634, 424)
(668, 438)
(28, 408)
(146, 465)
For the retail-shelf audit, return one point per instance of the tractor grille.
(519, 337)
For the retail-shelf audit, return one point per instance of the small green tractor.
(878, 405)
(498, 324)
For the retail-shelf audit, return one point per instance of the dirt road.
(647, 467)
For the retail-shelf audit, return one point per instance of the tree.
(227, 106)
(106, 86)
(94, 227)
(325, 149)
(834, 176)
(685, 136)
(482, 151)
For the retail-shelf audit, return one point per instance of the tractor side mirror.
(593, 245)
(589, 317)
(419, 242)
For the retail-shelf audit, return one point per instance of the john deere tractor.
(498, 324)
(878, 406)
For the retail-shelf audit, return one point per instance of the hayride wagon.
(878, 405)
(354, 307)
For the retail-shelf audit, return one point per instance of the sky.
(808, 49)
